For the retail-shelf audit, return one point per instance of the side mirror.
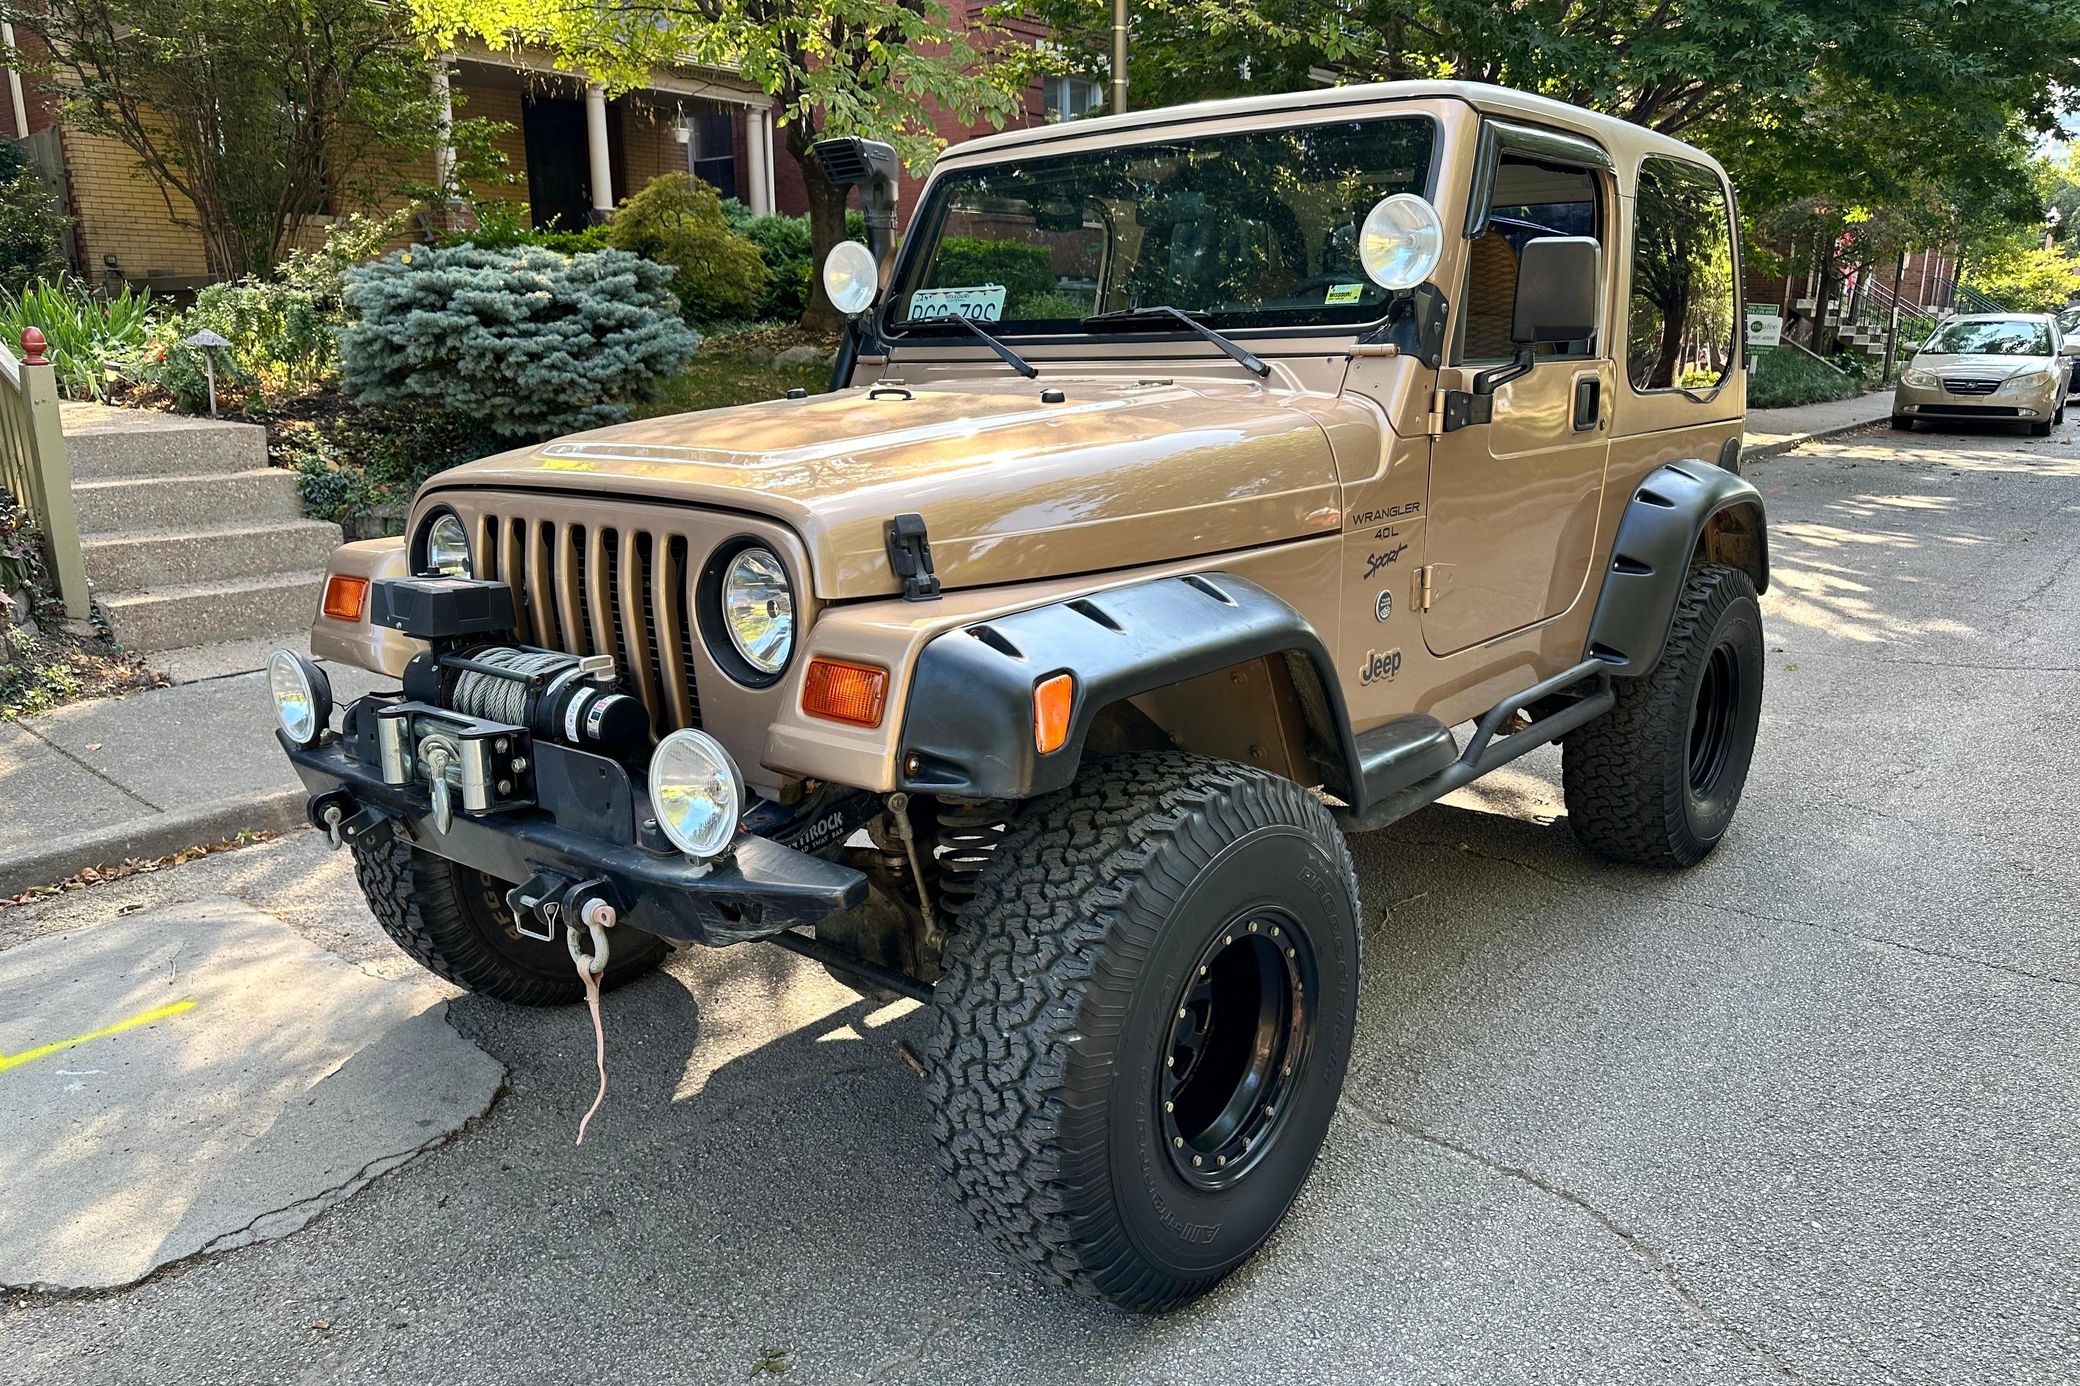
(1559, 280)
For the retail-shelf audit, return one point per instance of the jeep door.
(1513, 502)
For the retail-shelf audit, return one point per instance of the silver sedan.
(1986, 368)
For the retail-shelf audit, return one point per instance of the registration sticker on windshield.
(981, 303)
(1344, 293)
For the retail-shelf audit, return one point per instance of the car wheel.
(1656, 780)
(1902, 423)
(1143, 1025)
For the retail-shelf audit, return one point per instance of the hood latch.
(910, 555)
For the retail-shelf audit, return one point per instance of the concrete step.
(128, 560)
(169, 618)
(104, 444)
(186, 502)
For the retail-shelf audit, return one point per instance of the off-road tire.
(1060, 1003)
(1902, 423)
(1631, 779)
(453, 921)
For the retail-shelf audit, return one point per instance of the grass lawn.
(736, 368)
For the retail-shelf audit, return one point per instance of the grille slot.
(1966, 385)
(603, 590)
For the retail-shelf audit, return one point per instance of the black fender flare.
(968, 728)
(1664, 523)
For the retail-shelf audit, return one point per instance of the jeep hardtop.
(1195, 486)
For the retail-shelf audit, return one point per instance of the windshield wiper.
(1159, 312)
(1011, 358)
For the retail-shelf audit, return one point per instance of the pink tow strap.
(599, 1039)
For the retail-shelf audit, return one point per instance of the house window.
(1070, 97)
(711, 152)
(1681, 328)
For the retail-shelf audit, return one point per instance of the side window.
(1680, 328)
(1531, 198)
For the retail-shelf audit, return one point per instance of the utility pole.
(1119, 56)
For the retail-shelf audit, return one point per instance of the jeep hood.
(1011, 488)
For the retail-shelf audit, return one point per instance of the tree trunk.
(826, 229)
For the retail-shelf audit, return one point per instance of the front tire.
(1655, 780)
(1144, 1022)
(1903, 424)
(453, 921)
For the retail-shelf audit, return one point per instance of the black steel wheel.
(1144, 1023)
(1656, 780)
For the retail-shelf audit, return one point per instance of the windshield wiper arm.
(1156, 312)
(1011, 358)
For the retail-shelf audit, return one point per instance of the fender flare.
(968, 728)
(1675, 511)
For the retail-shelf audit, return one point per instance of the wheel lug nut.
(1253, 926)
(1289, 952)
(1274, 931)
(1177, 1141)
(1196, 1162)
(1180, 1013)
(1271, 1111)
(1170, 1061)
(1229, 939)
(1169, 1106)
(1223, 1159)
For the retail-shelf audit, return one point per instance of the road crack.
(1652, 1257)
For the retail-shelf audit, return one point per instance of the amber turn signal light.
(854, 693)
(346, 597)
(1052, 699)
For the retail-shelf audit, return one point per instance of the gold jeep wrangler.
(1196, 486)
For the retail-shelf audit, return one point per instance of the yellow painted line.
(44, 1051)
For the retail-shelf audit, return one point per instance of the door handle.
(1588, 403)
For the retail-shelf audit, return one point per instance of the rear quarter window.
(1681, 315)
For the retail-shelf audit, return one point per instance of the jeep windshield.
(1251, 229)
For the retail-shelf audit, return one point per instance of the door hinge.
(1426, 586)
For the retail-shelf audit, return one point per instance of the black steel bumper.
(758, 890)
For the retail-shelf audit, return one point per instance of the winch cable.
(498, 699)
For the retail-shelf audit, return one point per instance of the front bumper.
(759, 889)
(1935, 402)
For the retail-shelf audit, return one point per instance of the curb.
(1797, 440)
(49, 862)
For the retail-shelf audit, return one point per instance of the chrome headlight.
(447, 545)
(2028, 382)
(1920, 380)
(696, 793)
(758, 608)
(302, 696)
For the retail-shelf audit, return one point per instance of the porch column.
(596, 149)
(444, 148)
(758, 159)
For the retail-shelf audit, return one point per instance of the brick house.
(571, 150)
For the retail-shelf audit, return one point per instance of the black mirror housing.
(1559, 281)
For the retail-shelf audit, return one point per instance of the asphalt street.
(1805, 1113)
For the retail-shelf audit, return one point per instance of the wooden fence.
(32, 463)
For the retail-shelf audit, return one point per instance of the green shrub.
(283, 332)
(1024, 270)
(530, 342)
(356, 462)
(32, 233)
(1786, 377)
(84, 331)
(677, 220)
(503, 225)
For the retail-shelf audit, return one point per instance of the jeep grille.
(604, 590)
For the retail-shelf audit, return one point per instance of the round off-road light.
(851, 278)
(1400, 241)
(696, 793)
(302, 696)
(447, 545)
(758, 608)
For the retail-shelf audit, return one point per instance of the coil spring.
(969, 831)
(502, 700)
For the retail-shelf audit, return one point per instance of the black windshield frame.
(927, 226)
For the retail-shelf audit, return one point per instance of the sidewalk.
(1771, 431)
(99, 782)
